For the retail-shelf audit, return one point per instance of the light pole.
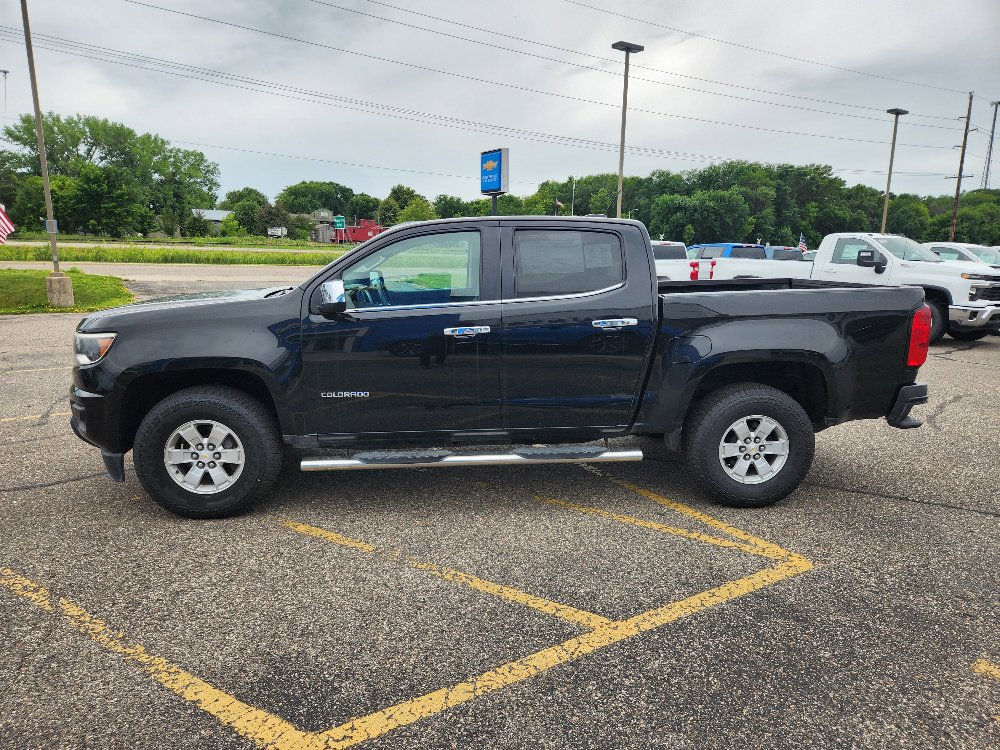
(58, 285)
(628, 48)
(4, 73)
(895, 112)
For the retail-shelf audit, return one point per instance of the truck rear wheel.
(750, 445)
(206, 452)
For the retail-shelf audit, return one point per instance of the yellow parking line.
(642, 523)
(270, 731)
(374, 725)
(981, 666)
(36, 369)
(35, 416)
(766, 548)
(571, 614)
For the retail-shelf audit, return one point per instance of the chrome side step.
(431, 459)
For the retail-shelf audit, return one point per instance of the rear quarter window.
(552, 262)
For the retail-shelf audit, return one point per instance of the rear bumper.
(907, 397)
(970, 316)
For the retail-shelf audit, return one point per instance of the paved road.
(153, 279)
(543, 607)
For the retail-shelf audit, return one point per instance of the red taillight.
(920, 337)
(694, 270)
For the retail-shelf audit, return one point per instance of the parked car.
(964, 300)
(961, 251)
(666, 253)
(729, 250)
(531, 330)
(782, 252)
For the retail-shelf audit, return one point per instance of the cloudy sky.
(359, 92)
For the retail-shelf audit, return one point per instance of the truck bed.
(754, 284)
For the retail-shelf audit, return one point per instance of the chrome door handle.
(466, 330)
(614, 323)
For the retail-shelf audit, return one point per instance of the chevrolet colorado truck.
(964, 301)
(433, 340)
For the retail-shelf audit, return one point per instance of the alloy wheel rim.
(204, 457)
(754, 449)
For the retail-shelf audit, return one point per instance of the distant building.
(214, 217)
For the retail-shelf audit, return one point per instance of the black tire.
(960, 335)
(246, 418)
(709, 423)
(939, 320)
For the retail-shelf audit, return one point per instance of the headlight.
(91, 347)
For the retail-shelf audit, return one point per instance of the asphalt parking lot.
(549, 607)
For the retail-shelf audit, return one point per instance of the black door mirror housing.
(332, 299)
(871, 259)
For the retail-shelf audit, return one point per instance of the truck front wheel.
(205, 452)
(749, 445)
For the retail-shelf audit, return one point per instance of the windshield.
(989, 255)
(906, 249)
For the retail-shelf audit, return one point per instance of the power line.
(591, 68)
(769, 52)
(299, 94)
(520, 88)
(618, 63)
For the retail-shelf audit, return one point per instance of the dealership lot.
(537, 606)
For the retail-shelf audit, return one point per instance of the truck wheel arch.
(145, 391)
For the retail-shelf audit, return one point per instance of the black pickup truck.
(433, 340)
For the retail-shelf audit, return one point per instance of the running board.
(430, 459)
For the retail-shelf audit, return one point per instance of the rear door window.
(550, 262)
(755, 253)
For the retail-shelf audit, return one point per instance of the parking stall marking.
(571, 614)
(653, 525)
(271, 731)
(30, 417)
(988, 669)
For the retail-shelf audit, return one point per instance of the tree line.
(109, 180)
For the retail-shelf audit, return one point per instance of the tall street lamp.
(895, 112)
(628, 48)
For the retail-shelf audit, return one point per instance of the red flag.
(6, 227)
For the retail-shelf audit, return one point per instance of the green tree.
(449, 206)
(403, 195)
(909, 216)
(306, 197)
(28, 211)
(244, 194)
(196, 226)
(388, 211)
(418, 209)
(716, 215)
(362, 206)
(230, 227)
(688, 235)
(248, 216)
(273, 216)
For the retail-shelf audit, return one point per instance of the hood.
(181, 304)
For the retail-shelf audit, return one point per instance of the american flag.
(6, 227)
(802, 243)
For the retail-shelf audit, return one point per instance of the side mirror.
(332, 299)
(871, 259)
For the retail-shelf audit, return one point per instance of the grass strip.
(169, 255)
(24, 292)
(251, 241)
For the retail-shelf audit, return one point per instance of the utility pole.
(892, 155)
(58, 285)
(989, 149)
(628, 48)
(961, 166)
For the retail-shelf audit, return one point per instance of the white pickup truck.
(964, 300)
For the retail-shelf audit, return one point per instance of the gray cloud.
(951, 46)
